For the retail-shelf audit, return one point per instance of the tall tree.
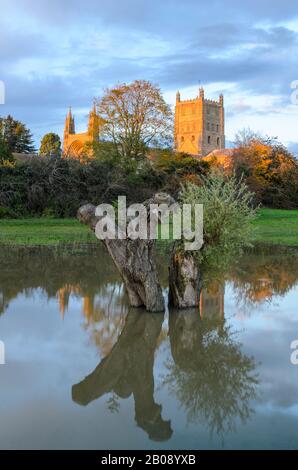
(50, 145)
(5, 154)
(16, 135)
(135, 117)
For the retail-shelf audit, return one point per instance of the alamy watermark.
(139, 221)
(2, 92)
(2, 353)
(294, 94)
(294, 355)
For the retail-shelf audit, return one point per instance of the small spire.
(201, 92)
(221, 99)
(178, 96)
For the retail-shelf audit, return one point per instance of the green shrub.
(58, 186)
(228, 213)
(6, 213)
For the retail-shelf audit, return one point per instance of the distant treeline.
(125, 163)
(55, 186)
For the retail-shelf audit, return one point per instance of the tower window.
(193, 138)
(208, 126)
(217, 127)
(217, 141)
(182, 139)
(209, 139)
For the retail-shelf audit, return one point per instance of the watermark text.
(294, 94)
(2, 353)
(294, 355)
(2, 92)
(139, 221)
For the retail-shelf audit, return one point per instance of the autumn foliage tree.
(135, 117)
(270, 171)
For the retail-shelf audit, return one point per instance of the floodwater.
(85, 371)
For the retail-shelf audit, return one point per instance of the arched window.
(209, 139)
(217, 141)
(217, 127)
(208, 126)
(192, 138)
(182, 139)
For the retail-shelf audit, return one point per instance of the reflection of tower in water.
(104, 312)
(63, 298)
(90, 310)
(212, 302)
(63, 295)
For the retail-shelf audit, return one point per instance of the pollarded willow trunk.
(185, 279)
(135, 261)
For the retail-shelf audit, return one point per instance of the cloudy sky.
(58, 53)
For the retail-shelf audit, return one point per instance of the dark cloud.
(261, 61)
(157, 15)
(16, 45)
(221, 36)
(48, 59)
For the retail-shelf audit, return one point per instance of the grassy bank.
(43, 231)
(273, 226)
(277, 226)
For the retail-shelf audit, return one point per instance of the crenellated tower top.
(199, 124)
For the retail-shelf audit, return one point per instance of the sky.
(55, 53)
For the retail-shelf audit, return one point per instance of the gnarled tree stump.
(185, 279)
(135, 261)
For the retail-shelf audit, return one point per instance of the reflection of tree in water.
(128, 370)
(49, 270)
(264, 273)
(88, 275)
(210, 376)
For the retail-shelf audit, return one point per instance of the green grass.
(277, 227)
(273, 226)
(44, 231)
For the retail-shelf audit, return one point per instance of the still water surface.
(85, 371)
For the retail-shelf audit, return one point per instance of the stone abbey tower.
(74, 145)
(199, 125)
